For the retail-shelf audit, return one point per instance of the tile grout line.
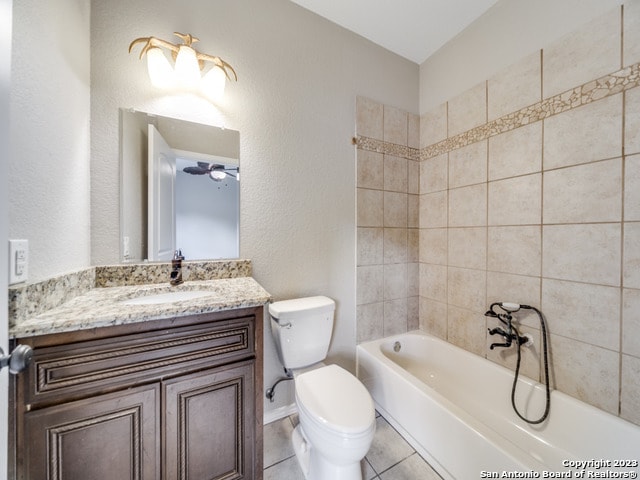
(622, 225)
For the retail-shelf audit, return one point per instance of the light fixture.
(217, 172)
(217, 175)
(192, 70)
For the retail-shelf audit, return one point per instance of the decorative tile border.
(592, 91)
(612, 84)
(380, 146)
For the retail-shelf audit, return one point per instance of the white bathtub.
(454, 408)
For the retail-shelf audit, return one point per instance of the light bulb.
(187, 68)
(213, 83)
(217, 175)
(160, 70)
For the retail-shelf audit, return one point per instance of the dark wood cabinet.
(167, 399)
(107, 437)
(196, 406)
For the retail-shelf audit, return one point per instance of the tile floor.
(390, 456)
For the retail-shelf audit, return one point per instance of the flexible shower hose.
(546, 370)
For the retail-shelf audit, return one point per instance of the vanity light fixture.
(191, 70)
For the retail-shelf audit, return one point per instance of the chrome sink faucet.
(176, 268)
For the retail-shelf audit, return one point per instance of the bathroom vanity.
(148, 391)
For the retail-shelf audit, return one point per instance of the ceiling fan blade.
(196, 170)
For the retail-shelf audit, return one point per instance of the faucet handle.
(499, 331)
(508, 338)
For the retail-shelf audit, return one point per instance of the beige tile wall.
(540, 204)
(525, 188)
(388, 220)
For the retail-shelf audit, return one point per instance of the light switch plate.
(125, 247)
(18, 261)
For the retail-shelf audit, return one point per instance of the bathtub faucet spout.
(505, 335)
(508, 337)
(511, 333)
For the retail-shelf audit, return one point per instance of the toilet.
(336, 412)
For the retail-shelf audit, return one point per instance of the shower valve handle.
(509, 338)
(502, 333)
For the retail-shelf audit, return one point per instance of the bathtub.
(454, 408)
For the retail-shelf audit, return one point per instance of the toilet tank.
(302, 329)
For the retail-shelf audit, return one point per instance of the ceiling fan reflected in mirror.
(217, 172)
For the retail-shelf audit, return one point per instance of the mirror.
(185, 197)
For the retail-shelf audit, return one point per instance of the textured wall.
(294, 105)
(529, 193)
(510, 30)
(49, 162)
(5, 74)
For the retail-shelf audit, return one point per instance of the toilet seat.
(335, 400)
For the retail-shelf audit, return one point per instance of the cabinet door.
(209, 428)
(106, 437)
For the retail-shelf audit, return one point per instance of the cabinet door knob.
(18, 360)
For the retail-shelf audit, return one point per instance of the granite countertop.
(104, 307)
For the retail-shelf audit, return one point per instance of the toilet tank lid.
(308, 305)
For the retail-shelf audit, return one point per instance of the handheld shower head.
(509, 307)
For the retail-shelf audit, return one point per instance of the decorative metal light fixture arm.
(153, 42)
(218, 62)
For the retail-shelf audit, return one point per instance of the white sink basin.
(169, 297)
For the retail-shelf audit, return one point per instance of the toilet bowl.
(337, 424)
(337, 416)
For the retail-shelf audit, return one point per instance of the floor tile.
(389, 458)
(277, 441)
(286, 470)
(412, 468)
(368, 473)
(388, 447)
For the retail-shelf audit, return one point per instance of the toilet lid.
(336, 399)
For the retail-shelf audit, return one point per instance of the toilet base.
(301, 447)
(315, 467)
